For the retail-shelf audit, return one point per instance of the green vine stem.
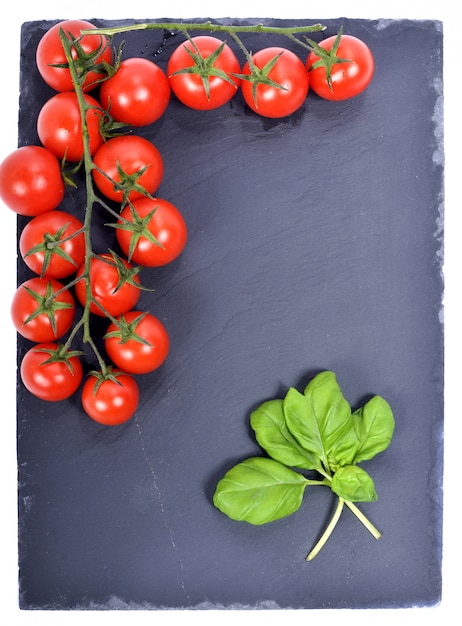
(233, 30)
(208, 26)
(91, 199)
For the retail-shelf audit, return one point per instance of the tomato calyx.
(60, 354)
(126, 331)
(260, 75)
(106, 373)
(46, 304)
(126, 274)
(204, 66)
(86, 62)
(139, 228)
(127, 183)
(327, 58)
(109, 127)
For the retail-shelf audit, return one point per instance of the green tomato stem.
(328, 531)
(91, 198)
(207, 26)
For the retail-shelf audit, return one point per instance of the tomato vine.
(79, 69)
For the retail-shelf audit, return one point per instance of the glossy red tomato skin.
(104, 278)
(167, 225)
(189, 88)
(52, 381)
(348, 79)
(59, 126)
(289, 72)
(40, 329)
(50, 52)
(133, 153)
(133, 356)
(110, 403)
(137, 94)
(50, 223)
(31, 181)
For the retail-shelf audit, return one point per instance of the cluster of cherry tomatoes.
(203, 73)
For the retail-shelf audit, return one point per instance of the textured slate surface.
(315, 242)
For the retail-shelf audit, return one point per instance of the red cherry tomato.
(39, 313)
(205, 80)
(137, 94)
(40, 246)
(108, 401)
(31, 181)
(55, 380)
(59, 126)
(138, 343)
(139, 160)
(114, 285)
(50, 53)
(292, 83)
(153, 218)
(348, 79)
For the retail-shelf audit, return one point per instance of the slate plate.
(315, 242)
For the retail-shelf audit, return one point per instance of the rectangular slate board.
(315, 242)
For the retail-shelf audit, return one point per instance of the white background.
(447, 613)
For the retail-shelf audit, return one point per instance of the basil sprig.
(313, 431)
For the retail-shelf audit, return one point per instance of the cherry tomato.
(138, 343)
(114, 284)
(110, 400)
(288, 72)
(31, 181)
(38, 313)
(140, 162)
(50, 53)
(40, 247)
(54, 380)
(159, 232)
(59, 126)
(205, 80)
(348, 78)
(137, 94)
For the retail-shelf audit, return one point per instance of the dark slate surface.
(315, 243)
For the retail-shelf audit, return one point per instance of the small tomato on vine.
(52, 244)
(50, 372)
(202, 73)
(110, 399)
(59, 126)
(127, 167)
(340, 67)
(42, 309)
(274, 83)
(114, 284)
(137, 342)
(151, 232)
(137, 94)
(90, 53)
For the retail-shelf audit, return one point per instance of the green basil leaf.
(374, 424)
(272, 434)
(259, 490)
(333, 415)
(354, 484)
(302, 423)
